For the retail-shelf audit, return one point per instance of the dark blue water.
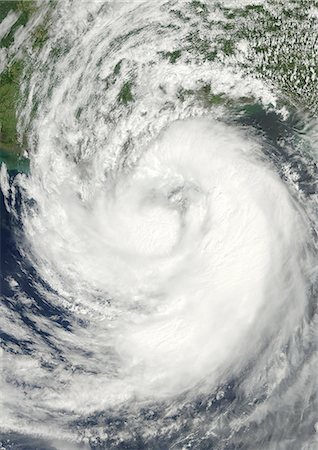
(280, 145)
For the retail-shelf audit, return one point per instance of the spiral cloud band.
(160, 287)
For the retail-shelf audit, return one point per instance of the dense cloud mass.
(159, 259)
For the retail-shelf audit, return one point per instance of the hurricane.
(159, 255)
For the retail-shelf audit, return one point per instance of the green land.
(10, 148)
(293, 69)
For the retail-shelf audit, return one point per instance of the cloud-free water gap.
(162, 245)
